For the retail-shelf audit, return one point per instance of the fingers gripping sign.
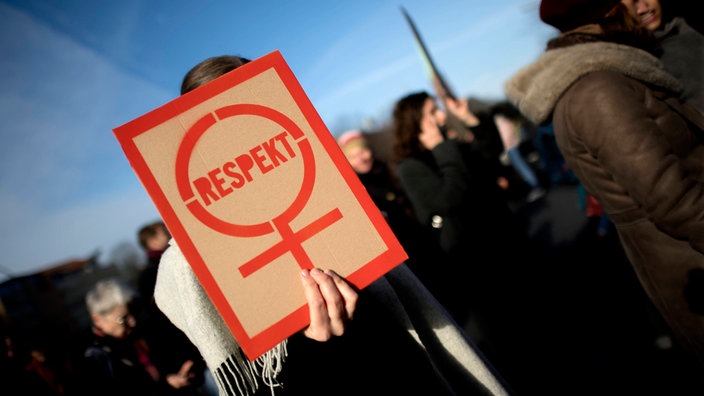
(331, 303)
(253, 187)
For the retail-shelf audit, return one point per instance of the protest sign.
(253, 188)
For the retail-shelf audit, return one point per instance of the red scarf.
(140, 345)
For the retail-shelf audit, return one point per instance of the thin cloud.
(64, 173)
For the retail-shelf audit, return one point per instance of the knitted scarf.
(182, 299)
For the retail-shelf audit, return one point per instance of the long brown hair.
(407, 115)
(617, 26)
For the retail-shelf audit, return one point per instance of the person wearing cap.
(354, 145)
(379, 181)
(425, 257)
(630, 140)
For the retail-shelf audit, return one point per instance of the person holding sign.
(391, 337)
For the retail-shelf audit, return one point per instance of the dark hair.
(508, 110)
(618, 26)
(209, 70)
(148, 231)
(566, 15)
(407, 115)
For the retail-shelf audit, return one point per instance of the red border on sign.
(256, 345)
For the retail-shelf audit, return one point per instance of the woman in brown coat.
(631, 143)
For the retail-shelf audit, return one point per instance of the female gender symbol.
(291, 241)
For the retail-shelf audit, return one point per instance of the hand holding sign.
(331, 301)
(254, 189)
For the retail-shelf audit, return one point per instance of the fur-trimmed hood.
(536, 88)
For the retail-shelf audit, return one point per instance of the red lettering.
(229, 170)
(218, 182)
(245, 163)
(235, 174)
(205, 190)
(274, 154)
(259, 159)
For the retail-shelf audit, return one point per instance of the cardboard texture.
(253, 188)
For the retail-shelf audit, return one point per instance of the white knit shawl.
(182, 299)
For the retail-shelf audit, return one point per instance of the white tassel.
(237, 376)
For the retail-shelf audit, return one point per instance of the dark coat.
(485, 249)
(640, 152)
(109, 366)
(452, 182)
(112, 367)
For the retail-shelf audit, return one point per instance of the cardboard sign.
(253, 188)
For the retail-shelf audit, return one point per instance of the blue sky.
(74, 70)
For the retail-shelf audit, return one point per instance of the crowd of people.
(615, 104)
(131, 347)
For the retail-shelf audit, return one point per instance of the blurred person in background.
(47, 372)
(154, 238)
(119, 359)
(511, 126)
(425, 258)
(454, 194)
(682, 47)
